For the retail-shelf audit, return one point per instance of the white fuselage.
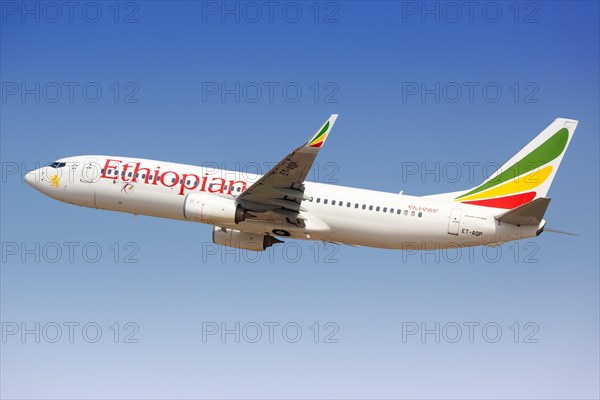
(333, 213)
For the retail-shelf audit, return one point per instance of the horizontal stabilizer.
(559, 232)
(531, 213)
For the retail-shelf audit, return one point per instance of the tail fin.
(526, 176)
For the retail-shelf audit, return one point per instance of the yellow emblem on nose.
(54, 181)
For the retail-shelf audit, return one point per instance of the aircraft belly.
(405, 233)
(139, 201)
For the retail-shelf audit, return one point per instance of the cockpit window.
(57, 164)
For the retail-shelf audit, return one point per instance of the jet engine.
(243, 240)
(212, 209)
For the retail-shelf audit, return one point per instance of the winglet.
(319, 138)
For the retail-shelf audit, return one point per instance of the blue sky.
(422, 91)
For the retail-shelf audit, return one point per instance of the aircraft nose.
(30, 178)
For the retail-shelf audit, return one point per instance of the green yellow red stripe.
(506, 201)
(319, 138)
(513, 186)
(543, 154)
(521, 184)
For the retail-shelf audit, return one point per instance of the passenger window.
(102, 170)
(318, 199)
(150, 177)
(341, 204)
(364, 206)
(384, 209)
(209, 186)
(348, 204)
(377, 209)
(370, 208)
(143, 176)
(324, 201)
(116, 172)
(355, 205)
(412, 213)
(405, 212)
(172, 180)
(333, 202)
(187, 182)
(420, 214)
(239, 189)
(129, 174)
(399, 212)
(391, 210)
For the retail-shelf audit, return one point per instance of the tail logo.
(514, 186)
(319, 138)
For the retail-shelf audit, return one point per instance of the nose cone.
(30, 178)
(37, 180)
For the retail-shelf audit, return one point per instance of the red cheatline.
(504, 202)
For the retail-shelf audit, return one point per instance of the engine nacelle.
(243, 240)
(212, 209)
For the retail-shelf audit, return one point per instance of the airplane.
(254, 212)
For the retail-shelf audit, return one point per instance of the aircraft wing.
(281, 190)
